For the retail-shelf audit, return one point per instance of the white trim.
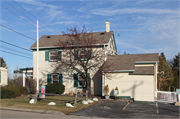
(146, 61)
(67, 46)
(120, 71)
(53, 55)
(81, 80)
(52, 78)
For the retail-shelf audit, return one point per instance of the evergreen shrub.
(55, 88)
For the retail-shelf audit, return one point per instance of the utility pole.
(37, 51)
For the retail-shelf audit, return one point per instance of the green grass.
(42, 104)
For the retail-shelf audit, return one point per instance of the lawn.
(42, 104)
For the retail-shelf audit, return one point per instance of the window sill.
(81, 87)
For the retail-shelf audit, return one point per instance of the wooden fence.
(76, 95)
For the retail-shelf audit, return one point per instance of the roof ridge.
(87, 32)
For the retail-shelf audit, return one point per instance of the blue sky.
(145, 26)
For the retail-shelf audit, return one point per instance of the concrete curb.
(31, 110)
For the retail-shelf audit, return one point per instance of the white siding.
(139, 87)
(3, 76)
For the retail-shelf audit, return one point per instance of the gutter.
(67, 46)
(119, 71)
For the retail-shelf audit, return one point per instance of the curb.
(31, 110)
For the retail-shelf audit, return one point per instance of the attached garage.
(136, 80)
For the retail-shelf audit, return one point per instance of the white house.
(3, 76)
(134, 75)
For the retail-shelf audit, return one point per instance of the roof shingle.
(127, 62)
(45, 42)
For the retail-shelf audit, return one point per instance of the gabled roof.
(50, 42)
(127, 62)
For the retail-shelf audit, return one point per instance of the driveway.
(114, 109)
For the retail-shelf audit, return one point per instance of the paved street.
(114, 109)
(104, 109)
(6, 114)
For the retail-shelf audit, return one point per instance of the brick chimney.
(107, 26)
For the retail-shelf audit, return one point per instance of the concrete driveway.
(114, 109)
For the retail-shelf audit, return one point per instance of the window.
(84, 54)
(53, 55)
(81, 81)
(55, 78)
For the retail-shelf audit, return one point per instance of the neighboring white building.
(3, 76)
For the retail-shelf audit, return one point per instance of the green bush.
(55, 88)
(22, 90)
(13, 91)
(8, 92)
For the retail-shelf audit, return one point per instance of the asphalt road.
(114, 109)
(7, 114)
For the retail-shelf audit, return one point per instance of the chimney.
(107, 26)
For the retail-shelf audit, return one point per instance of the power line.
(35, 16)
(20, 17)
(16, 54)
(7, 48)
(15, 46)
(18, 32)
(22, 13)
(17, 15)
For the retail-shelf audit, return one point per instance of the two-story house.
(134, 75)
(47, 57)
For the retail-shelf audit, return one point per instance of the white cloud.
(52, 10)
(65, 22)
(112, 12)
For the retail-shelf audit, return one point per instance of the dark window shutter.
(59, 55)
(75, 55)
(46, 56)
(89, 76)
(60, 79)
(89, 54)
(0, 76)
(48, 78)
(75, 80)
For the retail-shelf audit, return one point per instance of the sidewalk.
(31, 110)
(27, 113)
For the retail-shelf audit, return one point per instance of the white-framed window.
(55, 78)
(81, 81)
(53, 55)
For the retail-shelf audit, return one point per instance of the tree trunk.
(89, 88)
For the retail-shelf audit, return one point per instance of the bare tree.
(82, 53)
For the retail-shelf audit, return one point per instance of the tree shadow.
(132, 89)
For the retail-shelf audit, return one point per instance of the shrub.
(117, 90)
(8, 92)
(55, 88)
(106, 89)
(13, 91)
(22, 90)
(32, 85)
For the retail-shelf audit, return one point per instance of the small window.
(55, 78)
(84, 54)
(53, 55)
(81, 81)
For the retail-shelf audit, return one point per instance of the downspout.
(156, 72)
(104, 54)
(156, 75)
